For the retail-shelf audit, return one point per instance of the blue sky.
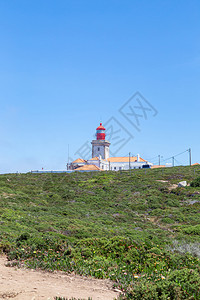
(67, 65)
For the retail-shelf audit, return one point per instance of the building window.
(115, 168)
(98, 148)
(120, 168)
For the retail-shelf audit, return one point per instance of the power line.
(176, 155)
(158, 157)
(178, 162)
(153, 158)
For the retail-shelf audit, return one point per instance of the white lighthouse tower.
(100, 146)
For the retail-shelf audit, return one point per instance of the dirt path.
(25, 284)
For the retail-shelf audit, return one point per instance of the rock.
(91, 192)
(116, 215)
(191, 202)
(67, 232)
(136, 194)
(138, 228)
(182, 184)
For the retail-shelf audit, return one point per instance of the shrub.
(155, 250)
(180, 284)
(186, 247)
(194, 230)
(23, 237)
(195, 182)
(167, 220)
(132, 255)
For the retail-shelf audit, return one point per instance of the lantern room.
(101, 132)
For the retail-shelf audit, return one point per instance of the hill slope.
(132, 227)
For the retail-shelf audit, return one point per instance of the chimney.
(138, 158)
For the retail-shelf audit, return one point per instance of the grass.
(126, 226)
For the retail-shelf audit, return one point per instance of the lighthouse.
(100, 146)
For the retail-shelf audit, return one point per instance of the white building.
(101, 160)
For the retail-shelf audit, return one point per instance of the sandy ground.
(25, 284)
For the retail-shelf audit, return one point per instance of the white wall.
(116, 166)
(104, 165)
(98, 150)
(93, 162)
(106, 152)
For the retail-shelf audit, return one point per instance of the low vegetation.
(136, 228)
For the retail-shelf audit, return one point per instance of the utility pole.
(68, 159)
(173, 161)
(190, 156)
(159, 160)
(129, 160)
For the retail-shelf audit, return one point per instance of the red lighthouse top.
(100, 132)
(100, 127)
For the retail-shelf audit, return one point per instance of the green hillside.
(136, 228)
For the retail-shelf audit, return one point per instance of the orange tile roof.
(89, 168)
(125, 159)
(79, 160)
(97, 158)
(156, 167)
(196, 164)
